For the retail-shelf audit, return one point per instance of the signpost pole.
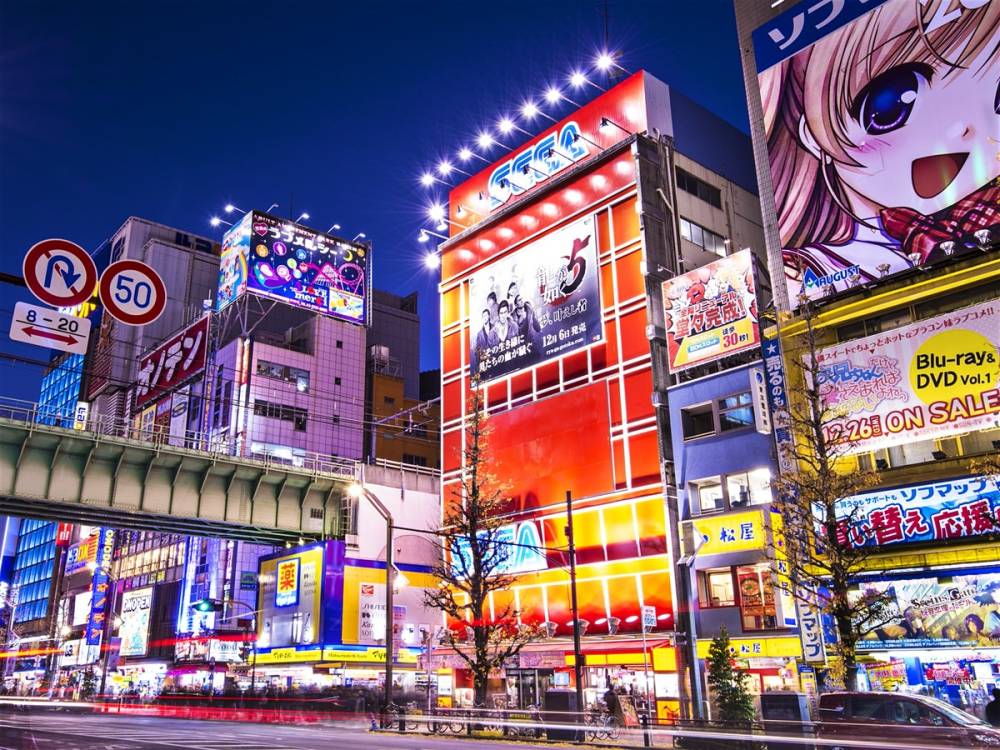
(388, 617)
(577, 655)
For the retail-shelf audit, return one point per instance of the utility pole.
(577, 655)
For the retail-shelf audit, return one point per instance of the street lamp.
(358, 490)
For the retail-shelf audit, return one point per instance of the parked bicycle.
(601, 725)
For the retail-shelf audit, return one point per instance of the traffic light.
(245, 651)
(207, 605)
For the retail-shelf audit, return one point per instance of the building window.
(722, 415)
(717, 588)
(336, 419)
(336, 381)
(388, 400)
(704, 238)
(285, 373)
(298, 417)
(730, 491)
(340, 344)
(698, 188)
(756, 593)
(414, 460)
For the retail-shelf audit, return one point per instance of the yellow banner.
(289, 656)
(372, 654)
(736, 532)
(752, 648)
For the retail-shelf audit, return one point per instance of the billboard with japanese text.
(100, 588)
(930, 379)
(289, 598)
(134, 630)
(936, 512)
(874, 170)
(711, 312)
(945, 610)
(539, 302)
(281, 260)
(172, 363)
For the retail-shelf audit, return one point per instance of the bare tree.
(475, 553)
(826, 544)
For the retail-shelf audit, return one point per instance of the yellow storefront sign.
(289, 656)
(753, 648)
(372, 654)
(737, 532)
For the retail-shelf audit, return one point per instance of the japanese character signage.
(134, 630)
(100, 588)
(930, 379)
(539, 302)
(777, 398)
(711, 312)
(736, 532)
(871, 175)
(172, 363)
(953, 610)
(811, 633)
(286, 592)
(938, 512)
(275, 258)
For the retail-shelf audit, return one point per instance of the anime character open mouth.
(932, 174)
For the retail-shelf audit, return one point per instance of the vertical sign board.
(869, 176)
(134, 630)
(100, 588)
(172, 363)
(777, 396)
(286, 592)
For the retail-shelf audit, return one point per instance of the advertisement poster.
(540, 302)
(930, 379)
(82, 554)
(297, 621)
(872, 172)
(955, 509)
(100, 588)
(172, 363)
(371, 614)
(961, 610)
(134, 629)
(711, 312)
(275, 258)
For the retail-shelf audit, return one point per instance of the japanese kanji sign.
(540, 302)
(930, 379)
(172, 363)
(955, 509)
(711, 312)
(735, 532)
(286, 591)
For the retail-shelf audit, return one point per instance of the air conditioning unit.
(351, 540)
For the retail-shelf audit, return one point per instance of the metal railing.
(213, 444)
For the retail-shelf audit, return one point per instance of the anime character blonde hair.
(816, 89)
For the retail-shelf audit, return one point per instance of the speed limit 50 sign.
(133, 292)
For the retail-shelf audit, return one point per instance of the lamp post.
(358, 490)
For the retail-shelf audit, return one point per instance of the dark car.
(897, 718)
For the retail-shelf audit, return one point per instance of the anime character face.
(922, 135)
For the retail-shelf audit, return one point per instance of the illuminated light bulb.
(529, 110)
(484, 140)
(552, 96)
(444, 168)
(230, 208)
(505, 126)
(426, 179)
(215, 221)
(436, 212)
(604, 61)
(574, 196)
(599, 181)
(549, 209)
(466, 254)
(506, 232)
(577, 79)
(624, 167)
(486, 245)
(432, 261)
(465, 154)
(423, 237)
(529, 221)
(631, 113)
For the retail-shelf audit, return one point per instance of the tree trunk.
(848, 651)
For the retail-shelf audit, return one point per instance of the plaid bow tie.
(920, 234)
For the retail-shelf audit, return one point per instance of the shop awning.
(559, 654)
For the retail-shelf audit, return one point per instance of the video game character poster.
(882, 129)
(537, 303)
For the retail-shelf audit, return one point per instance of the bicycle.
(600, 724)
(400, 716)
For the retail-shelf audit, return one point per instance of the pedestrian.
(993, 708)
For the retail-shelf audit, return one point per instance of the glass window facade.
(60, 391)
(34, 563)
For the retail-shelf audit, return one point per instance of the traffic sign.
(49, 328)
(648, 617)
(59, 273)
(133, 292)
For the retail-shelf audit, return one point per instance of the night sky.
(169, 110)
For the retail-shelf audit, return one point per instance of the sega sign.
(555, 152)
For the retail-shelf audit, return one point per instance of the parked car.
(898, 718)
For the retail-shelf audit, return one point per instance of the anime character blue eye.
(886, 102)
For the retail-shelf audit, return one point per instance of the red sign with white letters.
(172, 363)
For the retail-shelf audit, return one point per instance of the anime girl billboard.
(883, 135)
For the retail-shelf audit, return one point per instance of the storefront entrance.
(526, 687)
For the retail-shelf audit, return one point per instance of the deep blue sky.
(167, 110)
